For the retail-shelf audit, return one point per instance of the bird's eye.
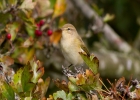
(68, 29)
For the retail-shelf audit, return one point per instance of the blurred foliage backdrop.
(34, 25)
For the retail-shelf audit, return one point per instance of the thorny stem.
(105, 91)
(104, 85)
(109, 82)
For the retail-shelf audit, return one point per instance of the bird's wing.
(85, 50)
(83, 47)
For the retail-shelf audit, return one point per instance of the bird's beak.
(60, 29)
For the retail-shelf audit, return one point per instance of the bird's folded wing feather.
(85, 50)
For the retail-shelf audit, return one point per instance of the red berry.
(8, 36)
(38, 33)
(41, 22)
(49, 32)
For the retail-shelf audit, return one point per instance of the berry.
(38, 33)
(8, 36)
(49, 32)
(41, 22)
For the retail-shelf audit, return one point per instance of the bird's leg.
(70, 65)
(79, 69)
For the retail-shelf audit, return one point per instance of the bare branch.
(109, 33)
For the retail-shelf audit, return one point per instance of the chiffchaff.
(71, 44)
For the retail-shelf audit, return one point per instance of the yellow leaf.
(26, 55)
(55, 37)
(7, 60)
(108, 17)
(59, 8)
(81, 79)
(28, 42)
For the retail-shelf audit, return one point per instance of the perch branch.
(109, 33)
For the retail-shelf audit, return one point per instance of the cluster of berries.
(38, 32)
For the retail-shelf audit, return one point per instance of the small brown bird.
(71, 44)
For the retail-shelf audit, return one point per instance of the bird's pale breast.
(71, 50)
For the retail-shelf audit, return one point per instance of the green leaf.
(37, 69)
(30, 29)
(12, 29)
(59, 94)
(95, 85)
(85, 82)
(92, 62)
(12, 2)
(23, 55)
(72, 79)
(72, 87)
(7, 91)
(26, 16)
(27, 85)
(17, 81)
(29, 21)
(7, 5)
(62, 95)
(2, 5)
(69, 96)
(4, 17)
(52, 3)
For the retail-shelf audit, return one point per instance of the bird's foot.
(67, 71)
(79, 69)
